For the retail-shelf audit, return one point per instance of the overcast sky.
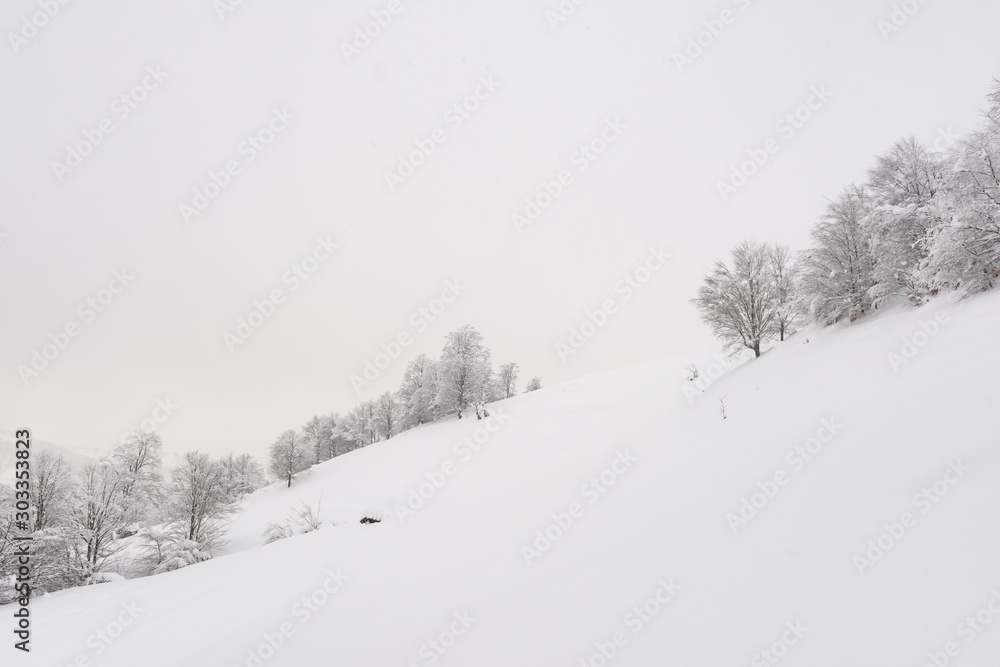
(198, 80)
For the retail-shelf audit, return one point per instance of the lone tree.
(290, 455)
(534, 384)
(741, 304)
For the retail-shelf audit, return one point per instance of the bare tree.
(51, 489)
(534, 384)
(740, 304)
(290, 455)
(387, 416)
(783, 274)
(507, 379)
(100, 508)
(198, 496)
(138, 460)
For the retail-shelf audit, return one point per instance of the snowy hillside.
(619, 519)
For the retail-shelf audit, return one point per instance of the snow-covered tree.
(418, 391)
(387, 416)
(169, 549)
(963, 253)
(741, 304)
(199, 498)
(783, 274)
(507, 380)
(55, 564)
(534, 384)
(341, 438)
(320, 433)
(56, 559)
(359, 425)
(837, 272)
(902, 210)
(100, 511)
(289, 455)
(241, 475)
(52, 490)
(465, 371)
(58, 555)
(138, 458)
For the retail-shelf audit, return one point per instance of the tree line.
(462, 381)
(122, 514)
(125, 514)
(923, 222)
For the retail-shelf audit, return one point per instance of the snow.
(455, 571)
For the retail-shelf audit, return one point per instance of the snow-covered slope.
(653, 562)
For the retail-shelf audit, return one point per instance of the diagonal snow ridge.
(832, 450)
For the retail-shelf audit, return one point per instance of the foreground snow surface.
(653, 563)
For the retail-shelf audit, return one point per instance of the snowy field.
(845, 512)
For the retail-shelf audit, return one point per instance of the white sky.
(162, 337)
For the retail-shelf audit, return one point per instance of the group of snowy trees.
(923, 222)
(462, 380)
(122, 513)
